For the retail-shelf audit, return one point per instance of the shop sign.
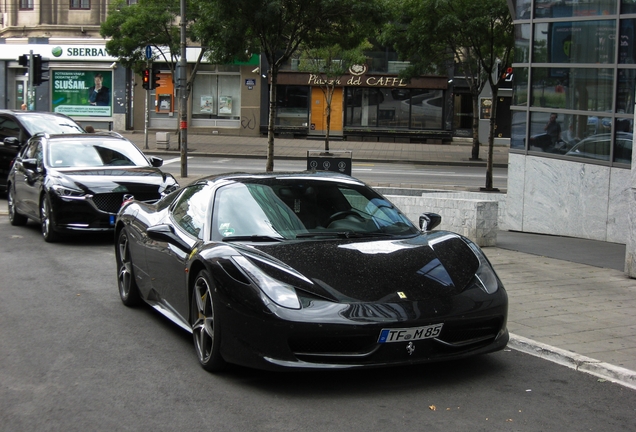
(79, 93)
(358, 81)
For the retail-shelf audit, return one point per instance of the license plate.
(409, 334)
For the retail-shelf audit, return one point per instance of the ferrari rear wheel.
(49, 234)
(206, 330)
(128, 290)
(15, 218)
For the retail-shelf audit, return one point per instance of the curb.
(597, 368)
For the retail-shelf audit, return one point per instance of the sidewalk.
(570, 301)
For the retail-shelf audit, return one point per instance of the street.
(375, 174)
(74, 358)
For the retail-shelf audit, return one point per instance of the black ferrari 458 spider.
(307, 271)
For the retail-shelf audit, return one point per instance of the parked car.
(16, 127)
(598, 147)
(311, 270)
(77, 183)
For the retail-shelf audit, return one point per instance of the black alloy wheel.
(15, 218)
(206, 330)
(46, 221)
(128, 289)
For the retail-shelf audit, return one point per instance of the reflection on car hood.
(120, 179)
(424, 267)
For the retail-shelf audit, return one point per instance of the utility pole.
(183, 96)
(31, 90)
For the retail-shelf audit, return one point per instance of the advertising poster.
(225, 105)
(207, 104)
(82, 93)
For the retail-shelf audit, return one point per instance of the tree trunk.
(328, 99)
(491, 139)
(475, 152)
(273, 73)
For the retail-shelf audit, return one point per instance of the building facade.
(572, 118)
(65, 34)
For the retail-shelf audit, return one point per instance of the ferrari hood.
(117, 179)
(424, 267)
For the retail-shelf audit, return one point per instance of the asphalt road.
(376, 174)
(75, 359)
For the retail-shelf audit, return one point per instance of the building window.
(216, 97)
(80, 4)
(292, 105)
(26, 4)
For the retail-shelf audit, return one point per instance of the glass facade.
(574, 75)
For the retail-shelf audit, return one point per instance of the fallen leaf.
(432, 407)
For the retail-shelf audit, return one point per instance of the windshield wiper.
(253, 238)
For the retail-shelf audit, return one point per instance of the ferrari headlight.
(485, 274)
(67, 192)
(280, 293)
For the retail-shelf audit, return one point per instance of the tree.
(328, 65)
(148, 23)
(277, 28)
(476, 35)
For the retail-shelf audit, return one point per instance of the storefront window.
(626, 48)
(628, 6)
(552, 9)
(522, 43)
(572, 88)
(216, 97)
(292, 106)
(625, 91)
(623, 140)
(394, 108)
(520, 87)
(575, 42)
(518, 130)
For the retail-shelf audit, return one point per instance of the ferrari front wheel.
(128, 290)
(206, 330)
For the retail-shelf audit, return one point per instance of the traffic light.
(508, 74)
(23, 60)
(37, 70)
(155, 78)
(145, 76)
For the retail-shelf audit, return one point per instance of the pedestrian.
(90, 129)
(553, 129)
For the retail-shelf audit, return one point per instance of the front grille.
(466, 333)
(111, 202)
(333, 345)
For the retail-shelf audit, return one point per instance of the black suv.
(16, 127)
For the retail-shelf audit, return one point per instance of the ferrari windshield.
(290, 208)
(94, 152)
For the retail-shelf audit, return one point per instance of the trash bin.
(335, 161)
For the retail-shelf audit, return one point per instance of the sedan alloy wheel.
(15, 218)
(48, 232)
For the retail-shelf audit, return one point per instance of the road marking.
(173, 160)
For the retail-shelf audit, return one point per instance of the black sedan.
(307, 270)
(16, 127)
(78, 183)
